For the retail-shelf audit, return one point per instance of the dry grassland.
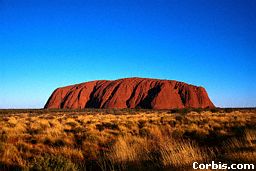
(125, 139)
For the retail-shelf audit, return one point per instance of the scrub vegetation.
(125, 139)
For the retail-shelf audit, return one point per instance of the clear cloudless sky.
(45, 44)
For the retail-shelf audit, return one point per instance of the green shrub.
(141, 123)
(3, 136)
(107, 125)
(59, 143)
(48, 141)
(144, 132)
(53, 163)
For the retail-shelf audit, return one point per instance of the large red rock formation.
(130, 93)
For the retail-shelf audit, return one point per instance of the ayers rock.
(130, 93)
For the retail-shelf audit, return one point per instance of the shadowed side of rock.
(130, 93)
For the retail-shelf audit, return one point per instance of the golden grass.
(125, 140)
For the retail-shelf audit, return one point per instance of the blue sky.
(47, 44)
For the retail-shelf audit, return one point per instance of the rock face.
(130, 93)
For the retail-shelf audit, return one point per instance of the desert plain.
(125, 139)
